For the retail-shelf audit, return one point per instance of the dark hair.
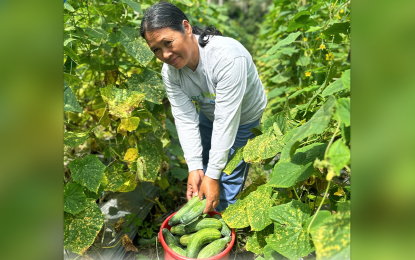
(167, 15)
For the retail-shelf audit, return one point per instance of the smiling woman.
(218, 73)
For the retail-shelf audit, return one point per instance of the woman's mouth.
(173, 62)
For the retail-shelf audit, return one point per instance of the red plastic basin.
(171, 255)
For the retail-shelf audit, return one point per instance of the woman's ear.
(187, 27)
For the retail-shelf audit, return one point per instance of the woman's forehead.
(158, 35)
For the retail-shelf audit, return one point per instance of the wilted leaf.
(180, 173)
(235, 215)
(290, 239)
(128, 244)
(88, 171)
(338, 156)
(258, 204)
(149, 83)
(69, 100)
(74, 139)
(121, 102)
(135, 45)
(152, 160)
(256, 241)
(118, 225)
(343, 110)
(74, 199)
(81, 229)
(115, 177)
(234, 161)
(289, 39)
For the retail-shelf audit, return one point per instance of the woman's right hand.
(193, 183)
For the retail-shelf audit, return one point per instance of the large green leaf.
(96, 34)
(134, 5)
(235, 215)
(71, 53)
(74, 139)
(316, 125)
(258, 204)
(337, 28)
(261, 180)
(262, 147)
(135, 45)
(121, 102)
(172, 128)
(73, 81)
(88, 171)
(149, 83)
(300, 167)
(289, 39)
(319, 219)
(332, 237)
(346, 79)
(180, 173)
(69, 100)
(115, 177)
(343, 110)
(338, 156)
(334, 87)
(81, 229)
(152, 160)
(290, 238)
(235, 159)
(256, 241)
(74, 199)
(271, 254)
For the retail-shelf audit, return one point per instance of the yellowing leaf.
(235, 159)
(121, 102)
(258, 204)
(340, 192)
(128, 124)
(262, 147)
(235, 215)
(130, 184)
(131, 155)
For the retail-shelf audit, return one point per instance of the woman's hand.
(210, 188)
(193, 183)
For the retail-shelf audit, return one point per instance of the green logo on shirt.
(204, 95)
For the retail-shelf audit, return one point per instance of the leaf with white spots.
(256, 241)
(258, 204)
(74, 199)
(81, 229)
(121, 102)
(88, 171)
(115, 177)
(152, 160)
(149, 83)
(135, 45)
(69, 100)
(235, 215)
(290, 237)
(74, 139)
(234, 161)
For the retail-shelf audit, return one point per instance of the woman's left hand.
(210, 188)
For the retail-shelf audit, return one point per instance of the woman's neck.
(194, 60)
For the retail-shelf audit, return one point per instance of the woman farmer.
(219, 74)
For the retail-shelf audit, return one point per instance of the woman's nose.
(166, 54)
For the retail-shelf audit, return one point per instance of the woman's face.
(172, 47)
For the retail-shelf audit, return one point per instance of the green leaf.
(180, 173)
(303, 61)
(176, 150)
(271, 254)
(332, 237)
(279, 78)
(121, 102)
(334, 87)
(299, 14)
(140, 169)
(337, 28)
(346, 79)
(149, 83)
(343, 110)
(73, 81)
(256, 241)
(262, 147)
(258, 204)
(289, 39)
(94, 195)
(316, 125)
(74, 139)
(185, 2)
(88, 171)
(314, 28)
(290, 239)
(134, 5)
(152, 160)
(235, 215)
(234, 161)
(303, 90)
(261, 180)
(128, 124)
(276, 92)
(316, 7)
(96, 34)
(280, 198)
(81, 229)
(172, 129)
(289, 50)
(135, 45)
(300, 167)
(338, 156)
(320, 218)
(71, 54)
(68, 7)
(115, 177)
(74, 199)
(69, 100)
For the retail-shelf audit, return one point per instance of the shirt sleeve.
(187, 123)
(230, 90)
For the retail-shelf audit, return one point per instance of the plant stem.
(319, 207)
(296, 194)
(332, 138)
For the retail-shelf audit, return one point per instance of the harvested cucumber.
(194, 212)
(214, 248)
(189, 205)
(201, 224)
(168, 237)
(178, 250)
(201, 237)
(185, 239)
(178, 230)
(226, 231)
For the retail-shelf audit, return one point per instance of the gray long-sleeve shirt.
(228, 91)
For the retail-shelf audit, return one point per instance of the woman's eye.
(168, 42)
(156, 50)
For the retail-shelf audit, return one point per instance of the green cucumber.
(178, 230)
(185, 239)
(168, 237)
(200, 238)
(178, 250)
(201, 224)
(177, 238)
(226, 231)
(214, 248)
(194, 212)
(145, 241)
(189, 205)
